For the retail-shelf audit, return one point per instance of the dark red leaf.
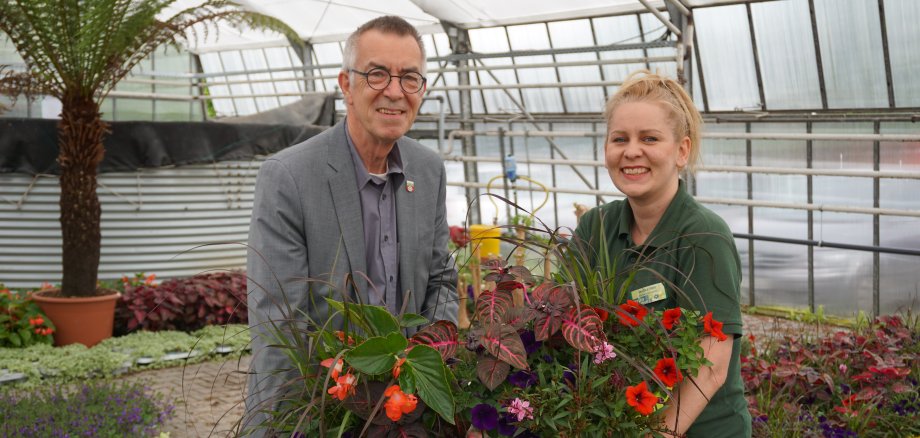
(491, 371)
(441, 336)
(505, 343)
(492, 305)
(583, 329)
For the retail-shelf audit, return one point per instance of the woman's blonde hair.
(645, 86)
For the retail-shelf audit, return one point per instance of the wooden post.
(463, 319)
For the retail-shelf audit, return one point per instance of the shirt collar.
(394, 161)
(670, 216)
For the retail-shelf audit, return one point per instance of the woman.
(681, 253)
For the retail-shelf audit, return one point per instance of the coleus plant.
(498, 320)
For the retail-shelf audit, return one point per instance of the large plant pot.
(85, 320)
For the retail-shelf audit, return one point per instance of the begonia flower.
(336, 370)
(399, 403)
(345, 386)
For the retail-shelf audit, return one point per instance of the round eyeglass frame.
(390, 77)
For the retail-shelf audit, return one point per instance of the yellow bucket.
(486, 238)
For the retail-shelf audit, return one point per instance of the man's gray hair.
(387, 24)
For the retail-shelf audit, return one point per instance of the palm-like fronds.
(86, 46)
(77, 51)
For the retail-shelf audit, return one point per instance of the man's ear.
(344, 85)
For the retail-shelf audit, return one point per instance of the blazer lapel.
(347, 204)
(406, 212)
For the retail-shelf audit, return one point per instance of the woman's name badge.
(649, 294)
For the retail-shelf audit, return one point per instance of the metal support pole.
(750, 214)
(460, 44)
(661, 17)
(507, 191)
(809, 162)
(876, 262)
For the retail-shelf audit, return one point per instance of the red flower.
(398, 367)
(341, 335)
(399, 403)
(667, 371)
(336, 369)
(344, 386)
(641, 398)
(713, 327)
(670, 317)
(631, 313)
(459, 236)
(603, 314)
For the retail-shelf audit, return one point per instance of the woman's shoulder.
(695, 218)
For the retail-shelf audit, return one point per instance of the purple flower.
(484, 417)
(531, 344)
(522, 379)
(506, 426)
(547, 358)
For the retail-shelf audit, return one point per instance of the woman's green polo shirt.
(691, 253)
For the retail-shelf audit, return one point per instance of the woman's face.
(642, 154)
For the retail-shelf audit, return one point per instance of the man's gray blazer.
(307, 233)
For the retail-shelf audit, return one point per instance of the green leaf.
(15, 340)
(412, 320)
(375, 320)
(407, 381)
(376, 355)
(430, 374)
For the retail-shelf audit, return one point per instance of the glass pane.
(232, 61)
(535, 37)
(903, 34)
(728, 62)
(255, 60)
(851, 53)
(787, 54)
(619, 30)
(494, 40)
(210, 63)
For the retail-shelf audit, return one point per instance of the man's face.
(381, 116)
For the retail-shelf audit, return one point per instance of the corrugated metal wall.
(154, 221)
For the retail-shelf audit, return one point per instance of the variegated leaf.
(518, 316)
(550, 302)
(583, 330)
(441, 336)
(492, 305)
(491, 371)
(521, 274)
(505, 343)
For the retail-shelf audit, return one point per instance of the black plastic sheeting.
(30, 146)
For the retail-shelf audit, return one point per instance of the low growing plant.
(22, 323)
(101, 409)
(862, 382)
(185, 304)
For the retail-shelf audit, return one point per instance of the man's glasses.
(379, 78)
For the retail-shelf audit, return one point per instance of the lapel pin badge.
(410, 186)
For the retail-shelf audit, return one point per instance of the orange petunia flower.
(667, 371)
(399, 403)
(631, 313)
(670, 317)
(335, 370)
(345, 385)
(641, 398)
(713, 327)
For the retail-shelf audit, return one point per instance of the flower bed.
(859, 383)
(96, 410)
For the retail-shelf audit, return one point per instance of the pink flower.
(843, 368)
(603, 352)
(521, 408)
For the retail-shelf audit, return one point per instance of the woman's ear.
(683, 153)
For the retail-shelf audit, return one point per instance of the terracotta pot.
(87, 320)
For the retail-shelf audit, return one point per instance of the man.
(356, 213)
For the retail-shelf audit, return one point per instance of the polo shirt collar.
(659, 238)
(394, 161)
